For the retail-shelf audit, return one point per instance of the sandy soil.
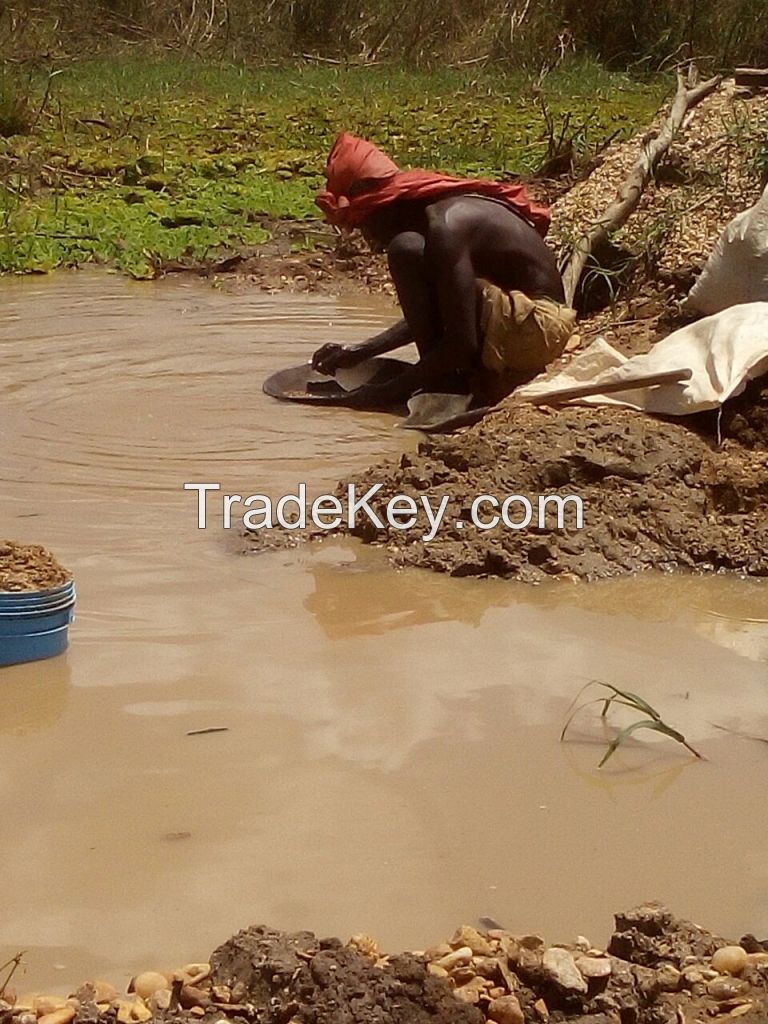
(29, 567)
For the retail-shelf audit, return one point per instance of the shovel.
(425, 415)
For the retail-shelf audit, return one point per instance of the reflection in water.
(392, 760)
(347, 602)
(34, 696)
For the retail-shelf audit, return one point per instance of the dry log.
(629, 193)
(752, 78)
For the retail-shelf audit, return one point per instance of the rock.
(222, 993)
(559, 965)
(45, 1005)
(132, 1011)
(436, 952)
(651, 934)
(646, 982)
(61, 1016)
(191, 996)
(460, 957)
(437, 971)
(160, 1000)
(487, 967)
(506, 1010)
(532, 942)
(104, 992)
(594, 967)
(541, 1009)
(730, 960)
(471, 991)
(724, 989)
(692, 976)
(461, 975)
(239, 992)
(471, 937)
(583, 944)
(147, 983)
(668, 978)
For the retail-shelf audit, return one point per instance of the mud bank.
(656, 969)
(654, 495)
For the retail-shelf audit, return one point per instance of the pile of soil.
(656, 970)
(29, 567)
(654, 495)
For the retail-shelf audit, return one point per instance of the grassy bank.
(131, 161)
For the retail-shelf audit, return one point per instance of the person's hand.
(330, 358)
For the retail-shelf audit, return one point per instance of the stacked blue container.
(34, 623)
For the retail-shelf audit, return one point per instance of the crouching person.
(478, 287)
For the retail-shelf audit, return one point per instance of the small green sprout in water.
(653, 719)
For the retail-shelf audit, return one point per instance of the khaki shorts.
(521, 336)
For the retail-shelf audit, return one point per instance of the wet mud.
(655, 495)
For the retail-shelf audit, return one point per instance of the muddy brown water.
(391, 762)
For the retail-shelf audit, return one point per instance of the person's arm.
(450, 260)
(332, 357)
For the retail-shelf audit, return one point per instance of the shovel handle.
(592, 388)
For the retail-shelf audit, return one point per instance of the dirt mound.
(657, 969)
(29, 567)
(320, 981)
(653, 494)
(745, 418)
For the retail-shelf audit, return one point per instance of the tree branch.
(628, 196)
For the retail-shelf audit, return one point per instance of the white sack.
(737, 269)
(723, 352)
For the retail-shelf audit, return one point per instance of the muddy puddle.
(391, 760)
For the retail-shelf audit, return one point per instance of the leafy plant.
(625, 698)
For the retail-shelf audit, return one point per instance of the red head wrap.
(353, 160)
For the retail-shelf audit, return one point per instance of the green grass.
(137, 160)
(652, 721)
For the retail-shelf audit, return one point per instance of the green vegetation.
(624, 698)
(133, 161)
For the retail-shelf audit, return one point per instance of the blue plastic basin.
(34, 624)
(33, 647)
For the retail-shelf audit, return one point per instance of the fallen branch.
(13, 965)
(634, 185)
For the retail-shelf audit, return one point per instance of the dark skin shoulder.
(438, 255)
